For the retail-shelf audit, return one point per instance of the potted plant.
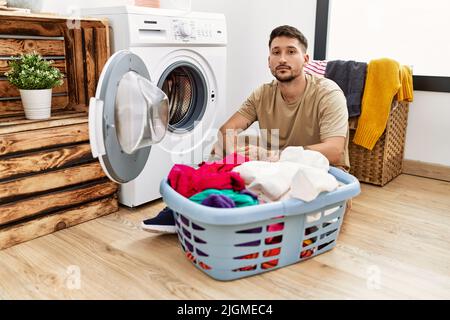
(35, 78)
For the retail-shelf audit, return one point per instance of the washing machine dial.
(185, 29)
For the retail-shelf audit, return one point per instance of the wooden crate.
(385, 161)
(48, 178)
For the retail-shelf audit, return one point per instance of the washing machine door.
(127, 116)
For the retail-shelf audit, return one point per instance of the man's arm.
(332, 148)
(229, 131)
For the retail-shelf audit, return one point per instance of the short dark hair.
(290, 32)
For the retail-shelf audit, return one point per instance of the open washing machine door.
(127, 116)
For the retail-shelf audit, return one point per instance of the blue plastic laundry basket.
(234, 243)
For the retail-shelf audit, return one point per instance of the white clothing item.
(269, 180)
(312, 177)
(312, 217)
(309, 182)
(299, 173)
(304, 157)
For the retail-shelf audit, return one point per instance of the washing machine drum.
(127, 116)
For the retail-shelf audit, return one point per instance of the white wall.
(64, 6)
(428, 131)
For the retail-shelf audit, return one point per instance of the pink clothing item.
(275, 227)
(216, 175)
(316, 67)
(181, 179)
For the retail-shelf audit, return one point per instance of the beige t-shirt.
(319, 114)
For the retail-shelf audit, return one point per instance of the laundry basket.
(234, 243)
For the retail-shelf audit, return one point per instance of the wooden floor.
(395, 243)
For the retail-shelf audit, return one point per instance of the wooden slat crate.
(48, 178)
(78, 48)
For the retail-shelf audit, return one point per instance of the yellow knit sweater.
(382, 84)
(406, 92)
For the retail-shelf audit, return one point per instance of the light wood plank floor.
(395, 243)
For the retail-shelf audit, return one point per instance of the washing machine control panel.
(184, 30)
(191, 30)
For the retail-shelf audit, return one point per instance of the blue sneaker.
(164, 222)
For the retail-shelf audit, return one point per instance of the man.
(307, 110)
(297, 108)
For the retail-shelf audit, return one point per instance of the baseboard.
(427, 170)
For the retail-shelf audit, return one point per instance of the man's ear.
(268, 61)
(306, 57)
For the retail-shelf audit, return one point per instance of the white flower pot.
(37, 103)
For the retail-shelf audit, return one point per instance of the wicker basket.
(384, 162)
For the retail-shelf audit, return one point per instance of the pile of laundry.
(237, 182)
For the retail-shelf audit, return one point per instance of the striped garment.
(316, 67)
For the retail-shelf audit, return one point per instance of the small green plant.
(31, 72)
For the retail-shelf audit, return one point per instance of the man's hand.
(258, 153)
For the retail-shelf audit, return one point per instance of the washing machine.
(139, 132)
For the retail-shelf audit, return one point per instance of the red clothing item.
(216, 175)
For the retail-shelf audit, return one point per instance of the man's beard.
(285, 78)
